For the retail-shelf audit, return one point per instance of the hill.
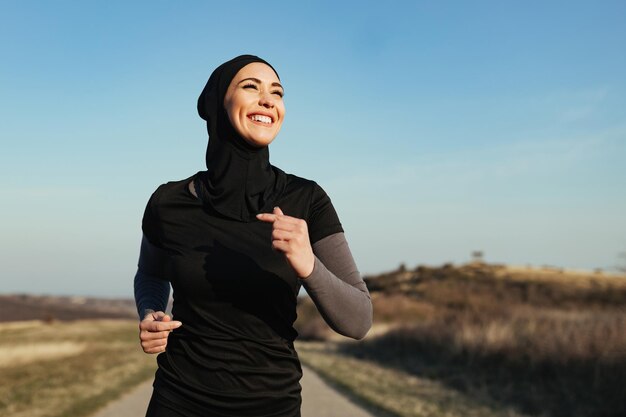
(529, 341)
(19, 307)
(494, 286)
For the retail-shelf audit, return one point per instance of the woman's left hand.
(290, 235)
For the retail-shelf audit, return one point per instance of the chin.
(259, 142)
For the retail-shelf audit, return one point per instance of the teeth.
(260, 118)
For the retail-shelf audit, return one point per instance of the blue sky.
(437, 128)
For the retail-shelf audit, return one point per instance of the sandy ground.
(318, 400)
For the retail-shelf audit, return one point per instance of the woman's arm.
(337, 289)
(151, 293)
(327, 271)
(151, 297)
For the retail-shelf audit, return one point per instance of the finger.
(155, 315)
(280, 245)
(159, 326)
(283, 225)
(153, 344)
(273, 217)
(288, 219)
(166, 318)
(299, 227)
(148, 335)
(157, 349)
(278, 211)
(267, 217)
(282, 234)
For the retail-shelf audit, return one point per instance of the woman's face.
(254, 104)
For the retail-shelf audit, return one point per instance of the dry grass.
(388, 391)
(584, 279)
(538, 342)
(17, 325)
(539, 363)
(22, 354)
(69, 369)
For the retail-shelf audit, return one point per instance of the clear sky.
(437, 128)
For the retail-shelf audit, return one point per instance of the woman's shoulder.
(316, 205)
(296, 183)
(170, 189)
(306, 191)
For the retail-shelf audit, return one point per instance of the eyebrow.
(256, 80)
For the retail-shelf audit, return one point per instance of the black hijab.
(239, 182)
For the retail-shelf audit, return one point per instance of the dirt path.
(318, 400)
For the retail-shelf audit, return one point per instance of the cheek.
(235, 121)
(236, 117)
(232, 118)
(228, 106)
(235, 109)
(281, 112)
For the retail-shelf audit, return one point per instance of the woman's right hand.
(154, 330)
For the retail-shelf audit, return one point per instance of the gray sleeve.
(337, 289)
(151, 292)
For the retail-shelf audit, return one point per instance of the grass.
(65, 369)
(452, 341)
(499, 340)
(535, 362)
(391, 392)
(22, 355)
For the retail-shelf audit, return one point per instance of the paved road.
(318, 400)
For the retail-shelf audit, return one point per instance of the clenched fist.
(290, 235)
(154, 330)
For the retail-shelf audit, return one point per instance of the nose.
(266, 100)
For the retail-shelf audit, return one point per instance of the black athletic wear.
(236, 296)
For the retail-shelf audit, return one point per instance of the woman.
(236, 242)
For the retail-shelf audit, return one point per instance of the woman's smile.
(261, 118)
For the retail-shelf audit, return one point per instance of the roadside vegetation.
(68, 369)
(473, 340)
(482, 340)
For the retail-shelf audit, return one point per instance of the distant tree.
(402, 267)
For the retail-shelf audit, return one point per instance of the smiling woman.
(237, 242)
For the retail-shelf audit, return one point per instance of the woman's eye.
(279, 93)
